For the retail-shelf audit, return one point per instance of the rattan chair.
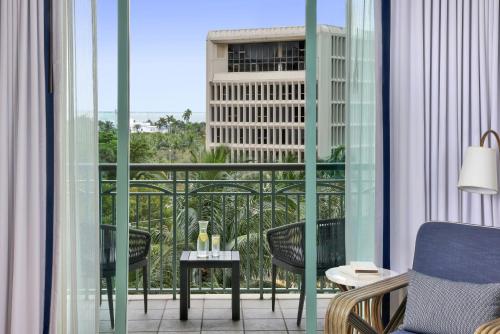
(456, 252)
(139, 244)
(287, 246)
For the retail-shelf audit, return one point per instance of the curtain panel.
(363, 133)
(444, 93)
(75, 286)
(22, 166)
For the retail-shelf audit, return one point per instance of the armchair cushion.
(440, 306)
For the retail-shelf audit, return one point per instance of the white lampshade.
(479, 171)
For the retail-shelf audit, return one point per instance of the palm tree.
(186, 116)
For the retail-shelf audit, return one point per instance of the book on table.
(364, 267)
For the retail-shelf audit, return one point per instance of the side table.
(226, 259)
(369, 311)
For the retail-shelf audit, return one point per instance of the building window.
(267, 56)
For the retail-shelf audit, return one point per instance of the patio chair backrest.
(458, 252)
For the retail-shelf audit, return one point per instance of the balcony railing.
(240, 201)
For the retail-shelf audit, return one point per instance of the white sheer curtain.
(22, 166)
(76, 262)
(445, 91)
(361, 134)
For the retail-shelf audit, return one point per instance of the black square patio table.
(226, 259)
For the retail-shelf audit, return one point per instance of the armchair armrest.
(340, 316)
(492, 327)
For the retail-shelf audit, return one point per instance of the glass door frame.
(310, 165)
(122, 167)
(123, 160)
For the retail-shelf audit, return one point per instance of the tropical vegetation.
(240, 205)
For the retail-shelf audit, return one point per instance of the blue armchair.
(456, 252)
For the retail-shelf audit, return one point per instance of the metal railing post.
(261, 232)
(174, 232)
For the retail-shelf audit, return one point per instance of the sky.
(167, 47)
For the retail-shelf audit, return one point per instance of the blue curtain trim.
(386, 74)
(49, 118)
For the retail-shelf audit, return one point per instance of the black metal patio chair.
(287, 246)
(139, 244)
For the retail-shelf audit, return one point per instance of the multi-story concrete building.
(255, 92)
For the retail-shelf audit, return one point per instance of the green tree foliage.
(141, 148)
(107, 142)
(232, 204)
(174, 143)
(186, 116)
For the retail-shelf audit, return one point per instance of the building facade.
(255, 99)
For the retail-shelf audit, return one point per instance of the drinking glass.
(215, 245)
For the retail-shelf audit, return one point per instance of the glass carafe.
(202, 243)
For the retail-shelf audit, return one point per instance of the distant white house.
(145, 127)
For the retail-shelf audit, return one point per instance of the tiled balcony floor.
(211, 314)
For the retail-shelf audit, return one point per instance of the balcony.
(241, 201)
(211, 314)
